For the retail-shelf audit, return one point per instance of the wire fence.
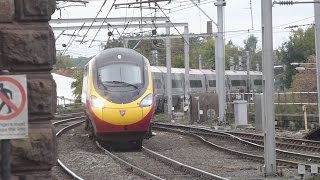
(285, 102)
(66, 105)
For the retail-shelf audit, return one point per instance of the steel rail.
(241, 154)
(68, 120)
(67, 115)
(304, 142)
(64, 167)
(132, 167)
(183, 166)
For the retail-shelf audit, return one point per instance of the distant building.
(64, 90)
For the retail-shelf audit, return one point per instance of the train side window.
(212, 83)
(157, 83)
(176, 83)
(257, 82)
(238, 82)
(195, 83)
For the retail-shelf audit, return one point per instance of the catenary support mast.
(268, 77)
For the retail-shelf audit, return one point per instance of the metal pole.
(200, 62)
(219, 58)
(5, 152)
(125, 43)
(186, 66)
(168, 64)
(317, 38)
(6, 159)
(304, 108)
(232, 64)
(268, 76)
(240, 64)
(248, 75)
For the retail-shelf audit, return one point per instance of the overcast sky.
(237, 21)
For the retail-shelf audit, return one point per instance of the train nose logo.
(122, 112)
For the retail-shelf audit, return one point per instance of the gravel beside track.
(154, 166)
(81, 155)
(192, 152)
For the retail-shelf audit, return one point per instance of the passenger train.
(119, 97)
(201, 81)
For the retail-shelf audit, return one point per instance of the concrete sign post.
(13, 116)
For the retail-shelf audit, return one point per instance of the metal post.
(168, 64)
(248, 75)
(232, 64)
(240, 64)
(304, 108)
(6, 159)
(268, 76)
(219, 58)
(200, 62)
(317, 38)
(125, 43)
(5, 152)
(187, 68)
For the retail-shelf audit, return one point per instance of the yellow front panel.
(131, 116)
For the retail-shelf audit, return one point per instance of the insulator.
(285, 2)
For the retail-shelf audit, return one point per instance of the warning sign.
(13, 107)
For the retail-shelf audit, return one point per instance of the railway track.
(281, 142)
(144, 162)
(254, 153)
(170, 169)
(62, 126)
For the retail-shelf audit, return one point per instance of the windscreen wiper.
(121, 82)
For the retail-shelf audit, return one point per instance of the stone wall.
(27, 46)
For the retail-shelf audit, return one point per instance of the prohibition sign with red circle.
(16, 109)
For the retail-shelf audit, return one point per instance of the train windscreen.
(127, 73)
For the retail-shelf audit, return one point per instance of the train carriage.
(119, 96)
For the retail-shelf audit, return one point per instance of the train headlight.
(96, 102)
(147, 101)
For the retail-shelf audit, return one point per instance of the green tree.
(251, 44)
(207, 51)
(62, 62)
(301, 44)
(77, 85)
(178, 61)
(231, 50)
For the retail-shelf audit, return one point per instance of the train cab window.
(127, 73)
(176, 83)
(212, 83)
(195, 83)
(157, 83)
(257, 82)
(238, 82)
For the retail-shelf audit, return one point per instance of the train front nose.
(122, 116)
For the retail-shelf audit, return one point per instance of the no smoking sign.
(13, 107)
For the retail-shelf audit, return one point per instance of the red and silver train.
(119, 96)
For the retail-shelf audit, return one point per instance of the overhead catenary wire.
(104, 2)
(103, 22)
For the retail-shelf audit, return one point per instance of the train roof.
(163, 69)
(119, 54)
(244, 73)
